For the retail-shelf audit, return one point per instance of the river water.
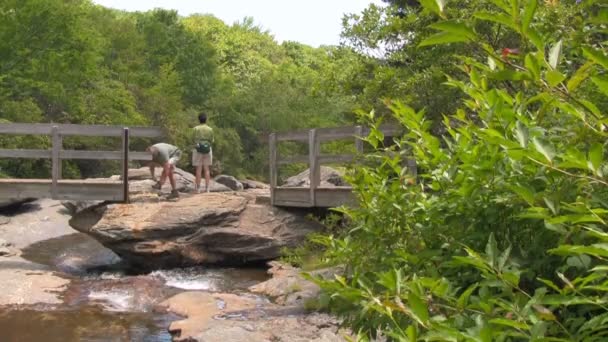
(107, 301)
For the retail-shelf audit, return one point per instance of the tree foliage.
(70, 61)
(503, 235)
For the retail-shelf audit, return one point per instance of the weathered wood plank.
(301, 159)
(73, 154)
(334, 197)
(125, 165)
(313, 164)
(301, 135)
(81, 130)
(29, 154)
(295, 194)
(55, 161)
(272, 143)
(358, 139)
(104, 155)
(335, 158)
(66, 189)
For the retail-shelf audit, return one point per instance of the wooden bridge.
(58, 188)
(316, 195)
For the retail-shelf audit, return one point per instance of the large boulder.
(252, 184)
(230, 182)
(140, 181)
(231, 229)
(329, 177)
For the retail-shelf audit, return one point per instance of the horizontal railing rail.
(71, 189)
(313, 195)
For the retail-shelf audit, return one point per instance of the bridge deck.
(90, 189)
(324, 197)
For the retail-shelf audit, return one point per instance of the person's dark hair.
(202, 118)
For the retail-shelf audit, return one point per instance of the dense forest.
(71, 61)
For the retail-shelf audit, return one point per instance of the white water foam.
(116, 301)
(187, 279)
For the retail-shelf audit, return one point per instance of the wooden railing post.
(358, 137)
(55, 161)
(313, 164)
(125, 164)
(274, 171)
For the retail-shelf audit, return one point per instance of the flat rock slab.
(212, 228)
(26, 287)
(220, 317)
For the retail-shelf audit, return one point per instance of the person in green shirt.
(202, 154)
(164, 156)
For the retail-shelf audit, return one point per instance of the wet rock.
(229, 229)
(252, 184)
(287, 285)
(329, 177)
(230, 182)
(242, 318)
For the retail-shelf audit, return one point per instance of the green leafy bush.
(519, 174)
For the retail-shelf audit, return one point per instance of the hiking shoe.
(173, 194)
(156, 186)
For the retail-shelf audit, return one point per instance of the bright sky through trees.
(312, 22)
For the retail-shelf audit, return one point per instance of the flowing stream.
(106, 301)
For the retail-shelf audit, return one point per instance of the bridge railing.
(315, 195)
(56, 187)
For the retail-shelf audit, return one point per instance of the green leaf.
(491, 63)
(463, 300)
(524, 193)
(566, 300)
(434, 6)
(601, 83)
(532, 65)
(492, 250)
(555, 54)
(454, 27)
(419, 308)
(510, 75)
(579, 76)
(529, 11)
(598, 250)
(544, 313)
(596, 156)
(536, 39)
(522, 134)
(596, 56)
(544, 149)
(510, 323)
(554, 77)
(497, 18)
(444, 38)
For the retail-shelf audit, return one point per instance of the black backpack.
(203, 147)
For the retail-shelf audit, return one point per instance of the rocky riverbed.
(62, 285)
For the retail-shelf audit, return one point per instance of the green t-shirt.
(165, 152)
(202, 132)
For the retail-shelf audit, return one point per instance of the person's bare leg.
(199, 169)
(207, 178)
(152, 172)
(171, 178)
(163, 176)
